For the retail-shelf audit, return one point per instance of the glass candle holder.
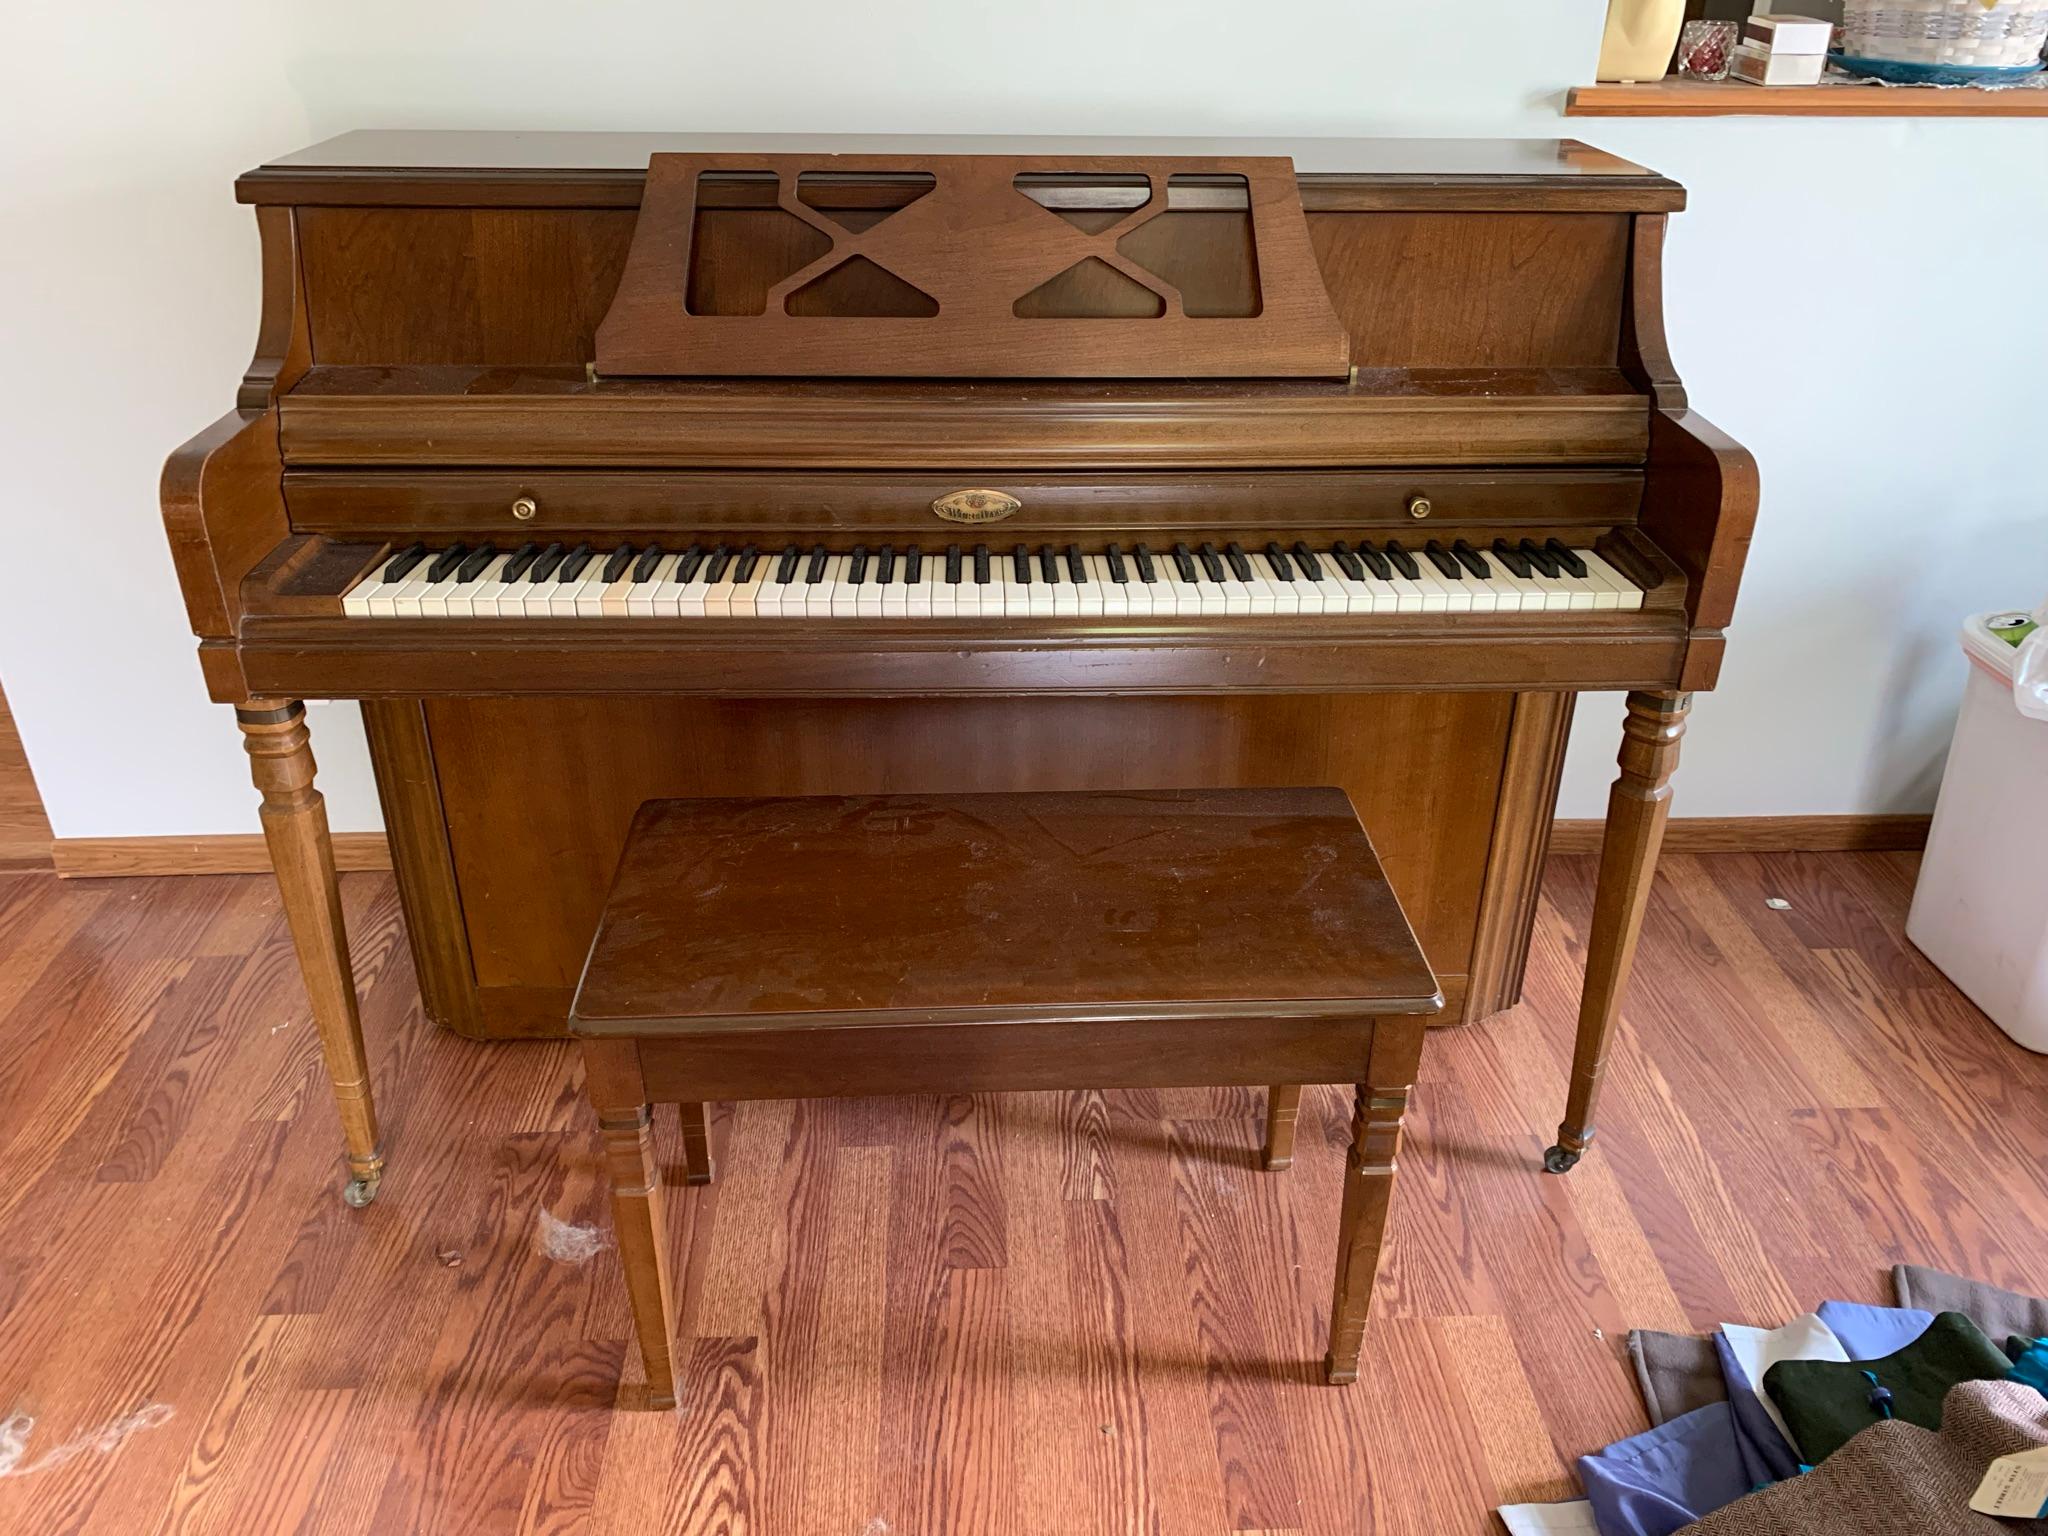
(1704, 47)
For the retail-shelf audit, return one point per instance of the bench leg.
(697, 1165)
(1382, 1099)
(612, 1069)
(1283, 1106)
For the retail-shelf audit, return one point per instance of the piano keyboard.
(887, 581)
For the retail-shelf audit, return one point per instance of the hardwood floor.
(1041, 1313)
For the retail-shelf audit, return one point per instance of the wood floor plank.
(939, 1315)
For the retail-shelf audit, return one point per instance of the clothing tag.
(2015, 1487)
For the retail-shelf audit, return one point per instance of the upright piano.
(605, 467)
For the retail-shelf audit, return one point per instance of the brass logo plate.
(975, 506)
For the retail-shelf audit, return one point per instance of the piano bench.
(885, 944)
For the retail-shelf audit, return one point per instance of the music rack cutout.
(970, 266)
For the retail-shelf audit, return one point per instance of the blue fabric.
(1871, 1333)
(1667, 1477)
(1767, 1456)
(2031, 1366)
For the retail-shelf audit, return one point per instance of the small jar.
(1704, 48)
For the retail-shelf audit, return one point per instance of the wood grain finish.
(973, 246)
(1637, 808)
(533, 864)
(1734, 98)
(791, 914)
(24, 828)
(294, 817)
(1800, 1100)
(219, 853)
(836, 945)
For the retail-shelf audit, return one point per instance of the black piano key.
(574, 562)
(473, 567)
(814, 569)
(1403, 561)
(981, 565)
(1510, 557)
(1240, 564)
(404, 561)
(857, 565)
(1539, 557)
(1471, 559)
(446, 563)
(714, 568)
(691, 563)
(1077, 568)
(1276, 559)
(1212, 563)
(1444, 560)
(1184, 562)
(545, 564)
(1306, 558)
(1020, 566)
(1565, 556)
(1143, 556)
(1347, 560)
(1375, 561)
(522, 557)
(885, 565)
(785, 565)
(616, 562)
(913, 565)
(1048, 565)
(1114, 558)
(650, 557)
(952, 565)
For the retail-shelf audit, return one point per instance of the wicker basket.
(1970, 34)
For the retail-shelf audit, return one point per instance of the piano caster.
(358, 1193)
(1557, 1160)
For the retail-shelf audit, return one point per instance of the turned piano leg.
(1380, 1103)
(1636, 810)
(301, 851)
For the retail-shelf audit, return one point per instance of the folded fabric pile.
(1746, 1409)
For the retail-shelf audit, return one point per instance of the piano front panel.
(526, 287)
(529, 858)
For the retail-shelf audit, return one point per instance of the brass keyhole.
(525, 508)
(1419, 506)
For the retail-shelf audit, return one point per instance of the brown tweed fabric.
(1897, 1479)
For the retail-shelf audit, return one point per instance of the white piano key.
(490, 600)
(1330, 588)
(895, 595)
(746, 593)
(1066, 597)
(1627, 593)
(1456, 592)
(562, 597)
(462, 602)
(823, 597)
(1116, 597)
(1088, 596)
(718, 594)
(590, 597)
(360, 600)
(1427, 580)
(691, 593)
(918, 595)
(867, 597)
(641, 601)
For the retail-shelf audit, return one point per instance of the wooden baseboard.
(243, 853)
(1763, 834)
(237, 853)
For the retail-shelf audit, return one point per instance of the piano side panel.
(537, 795)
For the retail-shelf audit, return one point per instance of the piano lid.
(439, 167)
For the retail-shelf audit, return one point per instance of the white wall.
(1858, 302)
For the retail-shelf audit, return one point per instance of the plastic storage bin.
(1980, 910)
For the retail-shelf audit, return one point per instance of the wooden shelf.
(1673, 97)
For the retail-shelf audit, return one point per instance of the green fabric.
(1826, 1401)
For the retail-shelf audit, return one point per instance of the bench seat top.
(831, 911)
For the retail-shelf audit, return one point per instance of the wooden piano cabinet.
(507, 815)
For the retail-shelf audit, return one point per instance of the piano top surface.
(384, 164)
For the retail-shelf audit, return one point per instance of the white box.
(1980, 908)
(1761, 68)
(1788, 34)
